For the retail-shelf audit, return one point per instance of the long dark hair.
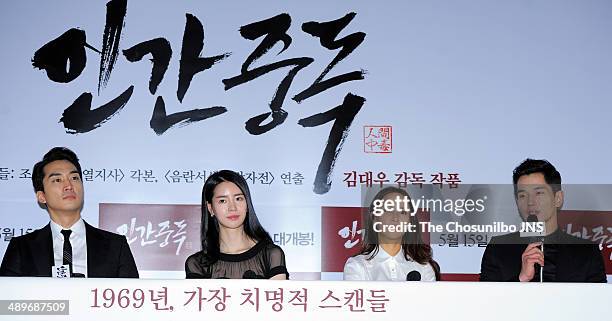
(209, 233)
(413, 246)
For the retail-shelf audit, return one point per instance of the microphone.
(413, 276)
(532, 239)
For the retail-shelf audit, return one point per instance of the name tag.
(61, 271)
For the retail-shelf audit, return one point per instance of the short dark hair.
(531, 166)
(55, 154)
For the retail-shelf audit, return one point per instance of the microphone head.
(413, 276)
(534, 236)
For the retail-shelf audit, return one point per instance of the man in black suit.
(537, 190)
(67, 246)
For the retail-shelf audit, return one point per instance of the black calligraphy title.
(64, 59)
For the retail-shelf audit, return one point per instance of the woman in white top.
(392, 256)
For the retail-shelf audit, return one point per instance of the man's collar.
(554, 237)
(78, 228)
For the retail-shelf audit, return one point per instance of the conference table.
(156, 299)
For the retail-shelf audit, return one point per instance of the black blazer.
(108, 255)
(578, 260)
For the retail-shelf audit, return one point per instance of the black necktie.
(67, 249)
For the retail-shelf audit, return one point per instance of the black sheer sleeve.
(194, 269)
(276, 260)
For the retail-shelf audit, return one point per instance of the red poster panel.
(595, 226)
(161, 237)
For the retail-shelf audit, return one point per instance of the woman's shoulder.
(197, 257)
(356, 268)
(270, 247)
(357, 260)
(423, 266)
(272, 251)
(195, 267)
(274, 259)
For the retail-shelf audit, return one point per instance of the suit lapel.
(97, 252)
(42, 252)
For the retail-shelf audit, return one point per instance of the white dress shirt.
(384, 267)
(78, 241)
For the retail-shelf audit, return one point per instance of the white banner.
(308, 100)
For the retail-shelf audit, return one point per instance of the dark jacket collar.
(42, 251)
(98, 246)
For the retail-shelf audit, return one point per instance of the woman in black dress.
(234, 244)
